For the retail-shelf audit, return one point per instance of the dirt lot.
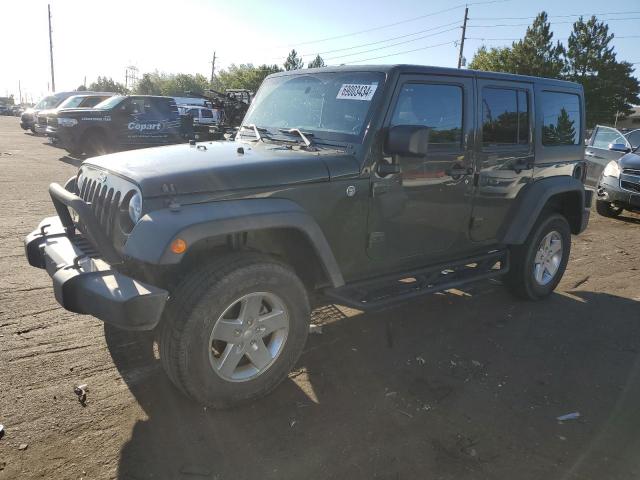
(457, 385)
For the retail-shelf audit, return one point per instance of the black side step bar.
(392, 289)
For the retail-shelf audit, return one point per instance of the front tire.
(234, 329)
(537, 266)
(607, 209)
(95, 144)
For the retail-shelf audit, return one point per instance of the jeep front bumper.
(85, 283)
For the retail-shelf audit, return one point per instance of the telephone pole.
(53, 80)
(213, 67)
(464, 32)
(20, 91)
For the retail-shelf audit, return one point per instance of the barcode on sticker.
(355, 91)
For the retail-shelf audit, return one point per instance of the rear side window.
(505, 117)
(561, 119)
(438, 107)
(206, 113)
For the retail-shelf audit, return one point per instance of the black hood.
(218, 166)
(630, 160)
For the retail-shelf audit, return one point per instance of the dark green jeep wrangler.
(363, 186)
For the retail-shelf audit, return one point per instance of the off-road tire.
(606, 209)
(196, 304)
(520, 280)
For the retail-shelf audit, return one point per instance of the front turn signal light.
(178, 246)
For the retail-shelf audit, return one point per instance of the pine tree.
(536, 54)
(316, 62)
(609, 86)
(293, 62)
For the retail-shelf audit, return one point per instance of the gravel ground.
(460, 385)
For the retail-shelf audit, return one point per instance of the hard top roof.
(424, 69)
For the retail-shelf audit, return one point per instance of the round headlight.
(79, 180)
(135, 207)
(612, 169)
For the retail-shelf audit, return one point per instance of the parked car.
(29, 117)
(47, 122)
(364, 186)
(119, 123)
(200, 115)
(613, 167)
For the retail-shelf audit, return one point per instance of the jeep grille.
(108, 195)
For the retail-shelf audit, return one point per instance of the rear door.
(504, 153)
(597, 153)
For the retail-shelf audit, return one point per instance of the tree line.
(246, 75)
(588, 58)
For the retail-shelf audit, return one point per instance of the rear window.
(561, 119)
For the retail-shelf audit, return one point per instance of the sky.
(92, 38)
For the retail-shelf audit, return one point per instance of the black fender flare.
(533, 199)
(150, 239)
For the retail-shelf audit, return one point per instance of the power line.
(380, 41)
(483, 39)
(401, 53)
(528, 24)
(413, 19)
(392, 45)
(557, 16)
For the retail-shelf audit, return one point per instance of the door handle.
(589, 154)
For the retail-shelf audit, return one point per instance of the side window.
(92, 101)
(436, 106)
(137, 105)
(561, 119)
(605, 136)
(206, 113)
(193, 112)
(505, 117)
(634, 138)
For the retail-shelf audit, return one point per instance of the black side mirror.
(408, 140)
(619, 147)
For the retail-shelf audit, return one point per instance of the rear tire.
(607, 209)
(234, 329)
(537, 266)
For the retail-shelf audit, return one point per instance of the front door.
(424, 209)
(597, 153)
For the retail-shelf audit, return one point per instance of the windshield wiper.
(303, 135)
(256, 131)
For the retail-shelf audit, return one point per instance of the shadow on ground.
(452, 386)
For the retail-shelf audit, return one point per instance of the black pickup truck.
(119, 123)
(364, 186)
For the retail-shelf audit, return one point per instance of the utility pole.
(20, 91)
(464, 31)
(213, 67)
(53, 81)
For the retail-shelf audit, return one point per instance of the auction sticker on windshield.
(355, 91)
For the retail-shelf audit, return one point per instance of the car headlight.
(135, 207)
(612, 170)
(67, 122)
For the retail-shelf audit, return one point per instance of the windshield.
(330, 105)
(47, 102)
(110, 102)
